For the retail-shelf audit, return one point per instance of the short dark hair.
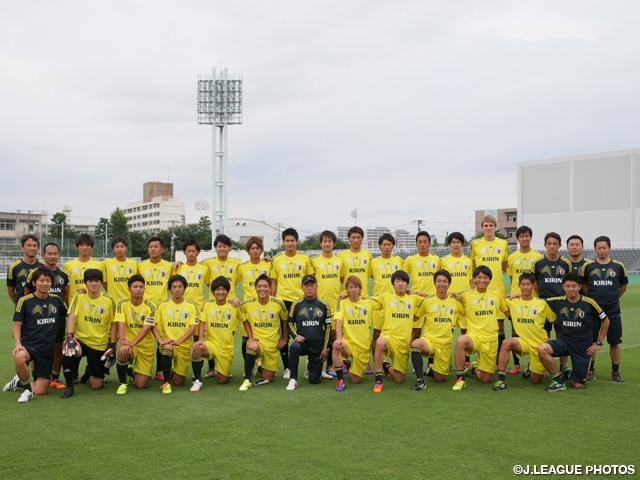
(553, 235)
(39, 272)
(189, 242)
(177, 278)
(220, 282)
(290, 232)
(571, 277)
(357, 230)
(522, 230)
(527, 276)
(156, 238)
(401, 275)
(136, 278)
(423, 233)
(456, 236)
(85, 238)
(602, 238)
(254, 241)
(482, 269)
(119, 239)
(50, 244)
(330, 235)
(442, 273)
(92, 274)
(575, 237)
(29, 236)
(388, 237)
(263, 276)
(222, 238)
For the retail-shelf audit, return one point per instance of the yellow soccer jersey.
(156, 277)
(220, 323)
(356, 322)
(265, 319)
(197, 277)
(381, 271)
(493, 255)
(329, 273)
(483, 310)
(174, 319)
(398, 316)
(518, 264)
(529, 317)
(358, 264)
(227, 269)
(421, 270)
(134, 318)
(117, 274)
(94, 319)
(289, 272)
(461, 272)
(247, 274)
(439, 317)
(75, 271)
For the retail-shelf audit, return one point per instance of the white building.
(241, 229)
(588, 195)
(158, 209)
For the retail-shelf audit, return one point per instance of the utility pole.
(173, 237)
(419, 222)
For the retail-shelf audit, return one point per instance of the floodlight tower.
(220, 105)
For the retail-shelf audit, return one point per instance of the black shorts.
(580, 361)
(95, 365)
(43, 362)
(548, 326)
(60, 332)
(614, 334)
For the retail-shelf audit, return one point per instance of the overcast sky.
(403, 110)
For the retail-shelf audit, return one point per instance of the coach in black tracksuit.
(309, 325)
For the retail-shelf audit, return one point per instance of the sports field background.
(316, 432)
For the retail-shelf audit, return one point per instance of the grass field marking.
(623, 347)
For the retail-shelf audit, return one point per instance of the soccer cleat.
(122, 389)
(12, 385)
(257, 369)
(340, 386)
(420, 385)
(166, 388)
(160, 377)
(25, 396)
(292, 385)
(107, 378)
(466, 364)
(286, 374)
(566, 372)
(429, 371)
(526, 373)
(471, 369)
(260, 382)
(514, 371)
(459, 385)
(347, 366)
(330, 371)
(129, 379)
(378, 387)
(55, 383)
(616, 377)
(386, 366)
(246, 385)
(76, 380)
(592, 375)
(210, 374)
(324, 375)
(68, 393)
(368, 370)
(556, 386)
(197, 385)
(499, 385)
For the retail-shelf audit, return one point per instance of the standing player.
(19, 271)
(135, 320)
(457, 264)
(119, 270)
(575, 246)
(310, 326)
(578, 314)
(35, 324)
(196, 273)
(357, 261)
(605, 281)
(218, 322)
(91, 333)
(394, 338)
(483, 306)
(287, 270)
(176, 322)
(422, 266)
(265, 320)
(75, 268)
(156, 273)
(441, 313)
(353, 322)
(529, 315)
(521, 261)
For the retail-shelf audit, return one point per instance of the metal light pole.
(220, 105)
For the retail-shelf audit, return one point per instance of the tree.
(59, 220)
(103, 229)
(312, 242)
(118, 224)
(138, 244)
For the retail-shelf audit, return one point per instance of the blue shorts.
(580, 361)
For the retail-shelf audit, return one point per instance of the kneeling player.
(529, 316)
(176, 322)
(441, 313)
(35, 325)
(135, 319)
(578, 316)
(91, 333)
(218, 322)
(353, 333)
(265, 320)
(483, 308)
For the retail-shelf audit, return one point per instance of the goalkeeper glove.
(109, 356)
(70, 346)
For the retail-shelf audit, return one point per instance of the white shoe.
(246, 385)
(25, 396)
(197, 385)
(326, 376)
(292, 385)
(286, 374)
(12, 385)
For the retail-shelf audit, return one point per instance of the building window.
(511, 233)
(7, 224)
(512, 217)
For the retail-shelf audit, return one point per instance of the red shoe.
(55, 383)
(159, 377)
(515, 370)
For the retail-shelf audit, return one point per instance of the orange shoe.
(55, 383)
(378, 387)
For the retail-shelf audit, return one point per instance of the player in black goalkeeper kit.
(310, 326)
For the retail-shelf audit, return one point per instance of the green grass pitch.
(316, 432)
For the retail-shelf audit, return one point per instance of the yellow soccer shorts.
(487, 353)
(222, 357)
(399, 356)
(359, 359)
(441, 356)
(269, 353)
(535, 365)
(181, 358)
(143, 360)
